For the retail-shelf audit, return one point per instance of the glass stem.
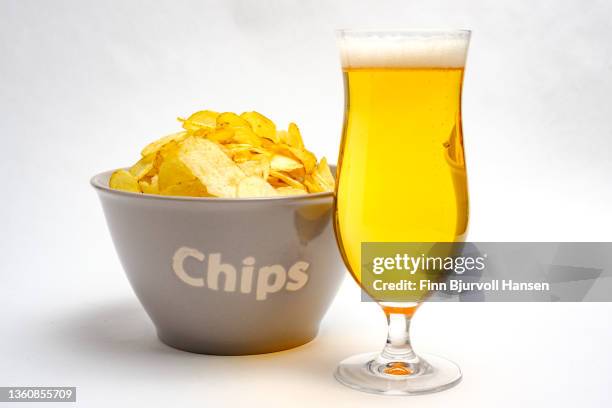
(398, 347)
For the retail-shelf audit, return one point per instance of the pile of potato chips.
(227, 155)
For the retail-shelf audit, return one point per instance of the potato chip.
(201, 119)
(297, 174)
(294, 137)
(205, 132)
(262, 126)
(267, 144)
(253, 186)
(124, 180)
(275, 182)
(158, 144)
(281, 162)
(241, 156)
(279, 148)
(237, 152)
(246, 136)
(157, 162)
(312, 185)
(143, 167)
(232, 121)
(324, 175)
(151, 186)
(173, 171)
(221, 135)
(302, 155)
(321, 180)
(227, 155)
(308, 159)
(237, 147)
(215, 170)
(259, 167)
(289, 191)
(282, 136)
(286, 179)
(191, 188)
(168, 149)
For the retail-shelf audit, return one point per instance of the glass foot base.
(370, 372)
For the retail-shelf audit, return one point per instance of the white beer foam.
(404, 52)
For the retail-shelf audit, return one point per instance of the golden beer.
(401, 178)
(402, 171)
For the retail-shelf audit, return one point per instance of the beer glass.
(401, 178)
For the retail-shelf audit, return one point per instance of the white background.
(84, 85)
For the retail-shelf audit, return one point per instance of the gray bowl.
(227, 276)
